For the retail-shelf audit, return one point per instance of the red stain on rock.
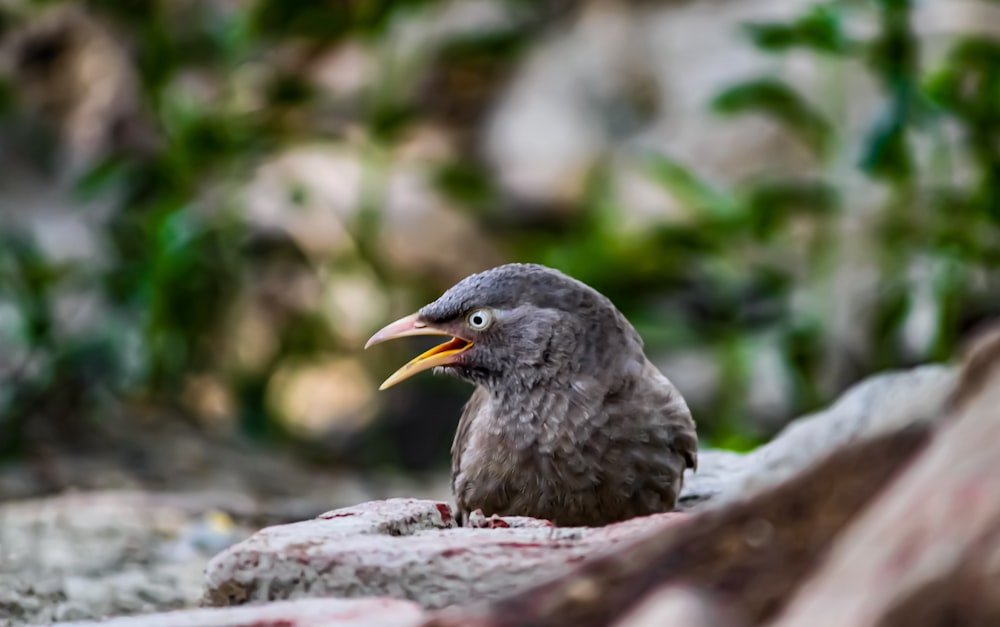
(909, 548)
(527, 545)
(445, 512)
(972, 493)
(336, 514)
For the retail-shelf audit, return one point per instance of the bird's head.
(517, 324)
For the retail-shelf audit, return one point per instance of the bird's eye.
(480, 319)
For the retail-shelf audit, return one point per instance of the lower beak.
(441, 355)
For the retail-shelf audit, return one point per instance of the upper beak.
(441, 355)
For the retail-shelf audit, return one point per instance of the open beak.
(441, 355)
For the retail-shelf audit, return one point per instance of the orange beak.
(441, 355)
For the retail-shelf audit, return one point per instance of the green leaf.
(7, 96)
(820, 30)
(771, 204)
(689, 189)
(969, 82)
(886, 154)
(776, 99)
(328, 21)
(968, 87)
(465, 182)
(101, 178)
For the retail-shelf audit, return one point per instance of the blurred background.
(207, 206)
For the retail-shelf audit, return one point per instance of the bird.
(569, 422)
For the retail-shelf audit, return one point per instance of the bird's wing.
(685, 439)
(677, 417)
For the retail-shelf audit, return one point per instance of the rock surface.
(81, 556)
(878, 405)
(410, 549)
(676, 605)
(300, 613)
(928, 552)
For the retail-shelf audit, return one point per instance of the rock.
(87, 89)
(875, 406)
(618, 78)
(84, 556)
(419, 232)
(675, 605)
(300, 613)
(928, 552)
(752, 554)
(717, 474)
(410, 549)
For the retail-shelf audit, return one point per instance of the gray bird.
(569, 422)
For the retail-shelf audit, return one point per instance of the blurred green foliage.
(716, 282)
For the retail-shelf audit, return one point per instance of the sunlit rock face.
(618, 79)
(317, 194)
